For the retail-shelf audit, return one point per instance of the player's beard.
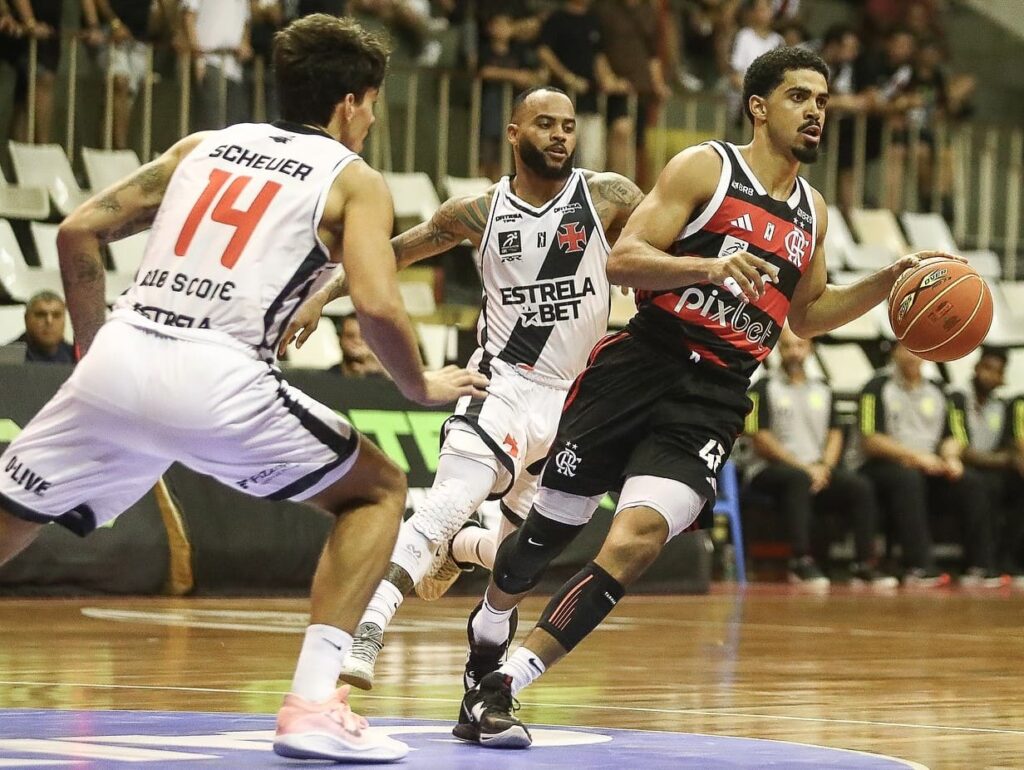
(535, 160)
(806, 154)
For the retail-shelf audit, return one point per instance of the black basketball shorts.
(637, 410)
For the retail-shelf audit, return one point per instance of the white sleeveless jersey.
(234, 248)
(545, 287)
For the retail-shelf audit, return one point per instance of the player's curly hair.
(769, 69)
(319, 59)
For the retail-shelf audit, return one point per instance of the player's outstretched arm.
(123, 209)
(366, 254)
(455, 221)
(615, 198)
(640, 257)
(818, 308)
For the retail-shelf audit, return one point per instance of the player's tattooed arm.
(614, 197)
(123, 209)
(457, 220)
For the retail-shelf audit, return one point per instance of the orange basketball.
(941, 310)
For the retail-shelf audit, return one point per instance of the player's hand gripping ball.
(941, 310)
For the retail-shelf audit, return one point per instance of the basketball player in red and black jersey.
(727, 246)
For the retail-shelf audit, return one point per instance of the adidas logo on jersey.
(743, 223)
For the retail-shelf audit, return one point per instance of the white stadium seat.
(930, 231)
(879, 228)
(461, 187)
(105, 167)
(12, 323)
(18, 202)
(20, 280)
(846, 365)
(321, 351)
(46, 165)
(414, 195)
(842, 250)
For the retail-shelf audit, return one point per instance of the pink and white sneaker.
(331, 730)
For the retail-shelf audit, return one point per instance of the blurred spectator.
(1013, 534)
(754, 39)
(915, 462)
(785, 11)
(44, 330)
(267, 18)
(41, 21)
(982, 421)
(127, 38)
(796, 434)
(848, 96)
(409, 20)
(572, 49)
(629, 29)
(331, 7)
(12, 47)
(218, 39)
(794, 33)
(357, 360)
(700, 28)
(502, 60)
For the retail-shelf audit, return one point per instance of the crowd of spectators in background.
(889, 63)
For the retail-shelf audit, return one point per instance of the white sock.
(523, 666)
(490, 626)
(413, 552)
(323, 651)
(384, 604)
(475, 545)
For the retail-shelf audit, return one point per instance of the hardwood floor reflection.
(936, 678)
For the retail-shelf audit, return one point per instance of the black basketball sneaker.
(487, 716)
(484, 658)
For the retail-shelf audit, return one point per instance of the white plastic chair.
(45, 238)
(878, 227)
(12, 323)
(930, 231)
(414, 195)
(20, 280)
(321, 351)
(862, 257)
(46, 165)
(461, 187)
(19, 202)
(105, 167)
(846, 365)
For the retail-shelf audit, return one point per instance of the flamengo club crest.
(572, 238)
(567, 460)
(796, 245)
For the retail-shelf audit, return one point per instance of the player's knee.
(392, 485)
(524, 556)
(634, 541)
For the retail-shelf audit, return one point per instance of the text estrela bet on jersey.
(545, 287)
(234, 248)
(706, 321)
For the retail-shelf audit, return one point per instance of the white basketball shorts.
(517, 421)
(141, 400)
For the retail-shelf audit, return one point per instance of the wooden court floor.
(934, 677)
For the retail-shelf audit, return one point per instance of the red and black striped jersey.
(706, 322)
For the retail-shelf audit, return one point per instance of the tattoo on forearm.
(454, 221)
(83, 269)
(619, 192)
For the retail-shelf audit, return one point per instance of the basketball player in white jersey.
(245, 221)
(543, 238)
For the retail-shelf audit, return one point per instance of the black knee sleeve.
(580, 605)
(525, 555)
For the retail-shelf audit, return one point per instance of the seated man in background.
(915, 463)
(44, 330)
(357, 359)
(799, 445)
(983, 422)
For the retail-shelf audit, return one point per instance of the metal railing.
(430, 120)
